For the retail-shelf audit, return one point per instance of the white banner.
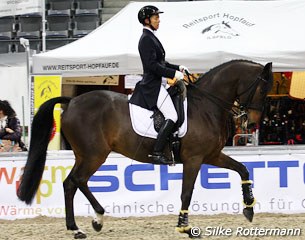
(198, 34)
(17, 7)
(128, 188)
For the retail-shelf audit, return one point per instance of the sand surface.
(144, 228)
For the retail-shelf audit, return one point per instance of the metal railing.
(253, 136)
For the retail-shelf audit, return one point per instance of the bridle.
(239, 109)
(251, 88)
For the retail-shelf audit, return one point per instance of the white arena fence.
(128, 188)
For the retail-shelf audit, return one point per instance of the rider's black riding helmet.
(147, 12)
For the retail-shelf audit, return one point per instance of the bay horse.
(98, 122)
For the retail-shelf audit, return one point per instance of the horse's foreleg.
(190, 172)
(225, 161)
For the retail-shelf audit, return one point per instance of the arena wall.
(128, 188)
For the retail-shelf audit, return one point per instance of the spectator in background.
(10, 125)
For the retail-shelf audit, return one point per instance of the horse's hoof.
(192, 232)
(248, 213)
(80, 235)
(97, 226)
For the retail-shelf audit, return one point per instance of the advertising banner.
(112, 80)
(128, 188)
(17, 7)
(44, 88)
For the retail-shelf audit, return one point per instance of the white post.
(26, 44)
(43, 34)
(23, 120)
(256, 137)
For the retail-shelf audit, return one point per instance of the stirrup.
(160, 159)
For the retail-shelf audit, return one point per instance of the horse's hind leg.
(225, 161)
(69, 190)
(190, 172)
(78, 179)
(97, 223)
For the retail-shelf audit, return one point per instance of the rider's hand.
(9, 130)
(183, 69)
(179, 75)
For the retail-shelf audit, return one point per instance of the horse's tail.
(40, 136)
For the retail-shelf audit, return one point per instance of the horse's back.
(99, 98)
(94, 116)
(97, 102)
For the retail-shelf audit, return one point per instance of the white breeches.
(166, 106)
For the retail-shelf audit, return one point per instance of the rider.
(149, 93)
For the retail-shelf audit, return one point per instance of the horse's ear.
(268, 75)
(268, 68)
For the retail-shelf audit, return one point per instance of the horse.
(98, 122)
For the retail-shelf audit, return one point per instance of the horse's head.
(253, 97)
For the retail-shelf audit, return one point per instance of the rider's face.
(154, 21)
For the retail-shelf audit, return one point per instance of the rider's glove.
(183, 69)
(179, 75)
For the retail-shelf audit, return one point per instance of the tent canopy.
(198, 34)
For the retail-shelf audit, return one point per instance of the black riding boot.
(158, 155)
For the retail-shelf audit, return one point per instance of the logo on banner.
(218, 25)
(221, 29)
(46, 92)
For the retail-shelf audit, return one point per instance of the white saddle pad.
(143, 125)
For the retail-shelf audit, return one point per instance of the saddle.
(177, 93)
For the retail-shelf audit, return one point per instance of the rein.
(225, 105)
(238, 110)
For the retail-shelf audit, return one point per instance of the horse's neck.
(223, 87)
